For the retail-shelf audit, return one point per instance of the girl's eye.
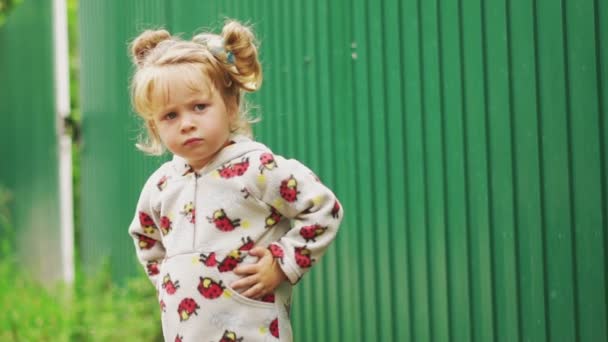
(200, 107)
(170, 116)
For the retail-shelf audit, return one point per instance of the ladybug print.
(145, 242)
(146, 223)
(247, 244)
(303, 257)
(241, 167)
(170, 286)
(277, 252)
(335, 211)
(209, 288)
(289, 189)
(162, 183)
(274, 327)
(152, 268)
(246, 193)
(187, 307)
(267, 162)
(273, 218)
(222, 222)
(234, 170)
(269, 298)
(163, 306)
(189, 212)
(231, 261)
(230, 336)
(178, 338)
(311, 232)
(165, 225)
(209, 260)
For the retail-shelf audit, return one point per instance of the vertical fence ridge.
(466, 170)
(601, 69)
(514, 168)
(446, 331)
(539, 107)
(571, 167)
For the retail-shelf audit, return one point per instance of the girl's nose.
(187, 123)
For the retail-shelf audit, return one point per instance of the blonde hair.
(232, 68)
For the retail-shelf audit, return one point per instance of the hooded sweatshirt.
(193, 227)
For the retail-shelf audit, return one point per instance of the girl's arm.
(296, 193)
(146, 235)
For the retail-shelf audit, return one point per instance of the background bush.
(93, 309)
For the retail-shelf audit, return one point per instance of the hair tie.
(216, 46)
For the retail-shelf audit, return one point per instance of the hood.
(241, 146)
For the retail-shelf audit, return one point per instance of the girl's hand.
(261, 278)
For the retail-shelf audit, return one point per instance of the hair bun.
(145, 42)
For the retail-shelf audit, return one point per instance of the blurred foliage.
(93, 309)
(6, 6)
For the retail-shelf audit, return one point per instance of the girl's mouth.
(192, 141)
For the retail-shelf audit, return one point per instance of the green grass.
(92, 309)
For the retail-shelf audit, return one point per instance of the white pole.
(62, 110)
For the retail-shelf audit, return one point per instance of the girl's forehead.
(176, 85)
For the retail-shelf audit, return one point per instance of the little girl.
(227, 227)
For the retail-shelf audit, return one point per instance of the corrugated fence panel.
(466, 140)
(113, 171)
(28, 141)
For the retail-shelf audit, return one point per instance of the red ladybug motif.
(273, 218)
(226, 172)
(335, 211)
(163, 306)
(152, 268)
(231, 261)
(145, 242)
(289, 189)
(178, 338)
(170, 286)
(274, 328)
(186, 308)
(145, 220)
(276, 251)
(230, 336)
(241, 167)
(162, 183)
(269, 298)
(247, 244)
(233, 170)
(165, 225)
(209, 288)
(208, 260)
(311, 232)
(222, 222)
(267, 162)
(303, 257)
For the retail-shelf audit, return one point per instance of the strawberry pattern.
(248, 197)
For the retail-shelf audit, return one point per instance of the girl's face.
(193, 123)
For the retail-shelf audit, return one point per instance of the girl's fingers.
(258, 251)
(246, 282)
(255, 291)
(246, 269)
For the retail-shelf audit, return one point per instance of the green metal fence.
(466, 140)
(28, 136)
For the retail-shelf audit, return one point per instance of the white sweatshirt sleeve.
(146, 235)
(315, 213)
